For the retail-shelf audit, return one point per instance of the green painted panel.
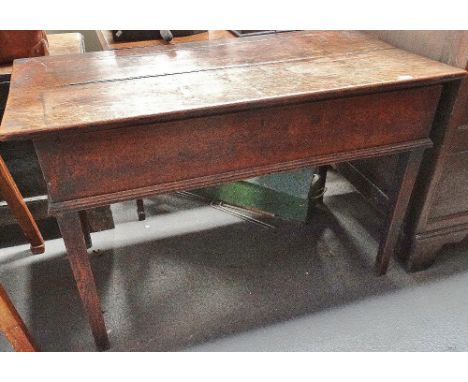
(283, 194)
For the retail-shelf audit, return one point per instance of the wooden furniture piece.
(59, 44)
(259, 193)
(122, 125)
(107, 41)
(22, 43)
(439, 207)
(9, 191)
(13, 326)
(63, 43)
(21, 161)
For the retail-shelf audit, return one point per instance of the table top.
(60, 43)
(107, 41)
(145, 85)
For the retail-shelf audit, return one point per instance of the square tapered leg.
(72, 232)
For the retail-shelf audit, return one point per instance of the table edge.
(229, 107)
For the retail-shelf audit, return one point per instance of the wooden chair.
(59, 44)
(10, 192)
(13, 326)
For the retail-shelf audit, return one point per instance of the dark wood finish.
(72, 233)
(441, 202)
(439, 199)
(10, 192)
(100, 198)
(13, 326)
(361, 175)
(322, 173)
(316, 191)
(86, 228)
(141, 210)
(439, 213)
(4, 86)
(282, 134)
(320, 186)
(145, 121)
(405, 176)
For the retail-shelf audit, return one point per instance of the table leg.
(405, 177)
(316, 191)
(13, 326)
(322, 173)
(141, 210)
(72, 233)
(10, 192)
(86, 229)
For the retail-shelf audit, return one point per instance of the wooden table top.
(60, 43)
(107, 41)
(144, 85)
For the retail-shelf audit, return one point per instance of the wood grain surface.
(152, 84)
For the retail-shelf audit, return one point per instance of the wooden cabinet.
(439, 206)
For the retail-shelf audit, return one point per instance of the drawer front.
(100, 162)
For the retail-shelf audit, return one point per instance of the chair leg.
(405, 177)
(316, 191)
(72, 233)
(20, 210)
(13, 326)
(141, 210)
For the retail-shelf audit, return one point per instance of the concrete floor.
(194, 278)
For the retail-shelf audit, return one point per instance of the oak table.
(121, 125)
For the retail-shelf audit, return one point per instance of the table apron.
(99, 167)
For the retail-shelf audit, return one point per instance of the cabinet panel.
(451, 195)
